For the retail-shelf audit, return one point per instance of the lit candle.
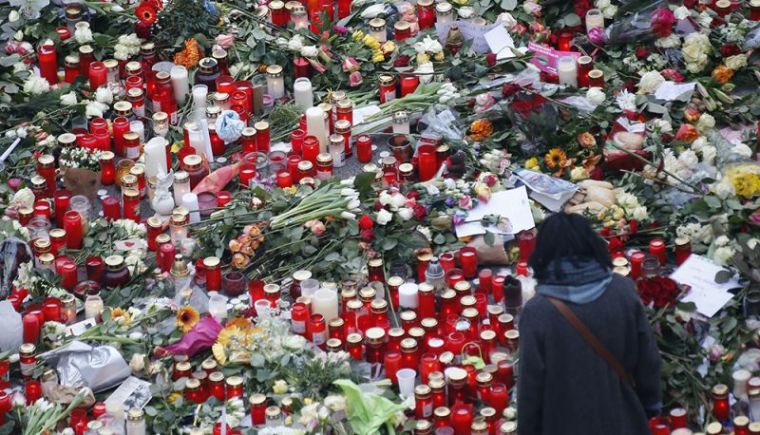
(180, 84)
(315, 126)
(93, 307)
(408, 295)
(567, 71)
(275, 82)
(741, 378)
(155, 157)
(303, 93)
(181, 186)
(190, 202)
(325, 302)
(594, 19)
(48, 62)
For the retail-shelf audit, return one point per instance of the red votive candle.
(48, 62)
(111, 208)
(526, 241)
(61, 201)
(72, 223)
(498, 398)
(69, 275)
(392, 364)
(95, 268)
(213, 273)
(468, 256)
(409, 84)
(98, 75)
(657, 249)
(310, 149)
(284, 179)
(485, 281)
(32, 325)
(296, 140)
(677, 418)
(427, 162)
(364, 148)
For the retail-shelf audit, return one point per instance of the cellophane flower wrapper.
(201, 337)
(651, 21)
(81, 365)
(535, 118)
(442, 123)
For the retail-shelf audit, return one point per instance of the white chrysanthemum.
(626, 101)
(649, 82)
(104, 95)
(595, 96)
(309, 51)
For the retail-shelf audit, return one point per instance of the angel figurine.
(163, 200)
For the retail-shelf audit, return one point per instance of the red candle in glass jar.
(564, 40)
(262, 137)
(120, 126)
(526, 241)
(107, 168)
(284, 179)
(468, 256)
(505, 373)
(683, 250)
(296, 141)
(213, 273)
(425, 14)
(409, 84)
(234, 387)
(111, 208)
(301, 67)
(32, 390)
(637, 258)
(46, 169)
(344, 8)
(6, 403)
(310, 148)
(167, 252)
(32, 326)
(98, 75)
(426, 300)
(72, 223)
(462, 420)
(42, 208)
(392, 364)
(258, 409)
(299, 316)
(428, 364)
(131, 199)
(95, 268)
(498, 397)
(754, 12)
(485, 281)
(427, 162)
(61, 201)
(223, 198)
(677, 418)
(364, 148)
(657, 249)
(256, 290)
(387, 88)
(51, 309)
(48, 62)
(69, 275)
(318, 330)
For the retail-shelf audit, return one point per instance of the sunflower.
(146, 13)
(122, 315)
(555, 158)
(187, 317)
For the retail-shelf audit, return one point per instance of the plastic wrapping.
(11, 328)
(229, 127)
(442, 123)
(201, 337)
(81, 365)
(14, 252)
(650, 21)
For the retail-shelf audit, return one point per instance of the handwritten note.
(511, 204)
(672, 91)
(699, 273)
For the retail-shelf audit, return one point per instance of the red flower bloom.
(146, 13)
(413, 194)
(729, 50)
(605, 232)
(365, 223)
(642, 52)
(401, 61)
(615, 245)
(522, 107)
(420, 212)
(367, 235)
(509, 89)
(662, 22)
(491, 59)
(672, 75)
(658, 291)
(633, 226)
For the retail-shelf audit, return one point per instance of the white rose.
(737, 61)
(742, 150)
(397, 201)
(309, 51)
(663, 125)
(705, 122)
(83, 34)
(507, 20)
(699, 143)
(578, 173)
(704, 20)
(724, 189)
(24, 198)
(610, 11)
(69, 99)
(681, 12)
(104, 95)
(640, 213)
(383, 217)
(595, 96)
(650, 81)
(723, 255)
(601, 4)
(137, 363)
(689, 159)
(385, 198)
(13, 16)
(426, 70)
(36, 85)
(708, 154)
(19, 67)
(95, 109)
(405, 213)
(670, 41)
(752, 243)
(295, 43)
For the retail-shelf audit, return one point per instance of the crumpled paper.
(367, 412)
(229, 127)
(81, 365)
(11, 328)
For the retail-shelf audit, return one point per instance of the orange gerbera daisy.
(187, 317)
(190, 56)
(555, 158)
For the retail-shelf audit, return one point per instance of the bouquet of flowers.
(652, 21)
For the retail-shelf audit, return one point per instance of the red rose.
(605, 232)
(642, 52)
(690, 3)
(729, 50)
(401, 61)
(367, 235)
(413, 194)
(633, 226)
(420, 212)
(666, 137)
(672, 75)
(615, 245)
(522, 107)
(509, 89)
(491, 59)
(365, 223)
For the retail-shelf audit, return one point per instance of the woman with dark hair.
(588, 363)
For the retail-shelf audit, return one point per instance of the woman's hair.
(567, 236)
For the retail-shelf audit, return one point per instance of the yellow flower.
(122, 315)
(371, 42)
(388, 47)
(308, 401)
(378, 57)
(422, 58)
(358, 35)
(532, 164)
(280, 387)
(187, 317)
(291, 190)
(176, 147)
(480, 129)
(439, 56)
(219, 354)
(461, 2)
(555, 158)
(745, 179)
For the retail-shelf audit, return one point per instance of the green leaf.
(712, 201)
(723, 276)
(508, 5)
(363, 182)
(439, 239)
(389, 244)
(572, 20)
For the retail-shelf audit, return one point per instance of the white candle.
(155, 157)
(408, 296)
(180, 84)
(139, 128)
(203, 124)
(325, 302)
(200, 93)
(93, 307)
(275, 82)
(196, 140)
(181, 186)
(594, 19)
(567, 71)
(190, 202)
(303, 93)
(315, 126)
(741, 377)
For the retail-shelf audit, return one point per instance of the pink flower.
(350, 65)
(355, 79)
(316, 226)
(597, 35)
(465, 202)
(662, 22)
(672, 75)
(225, 40)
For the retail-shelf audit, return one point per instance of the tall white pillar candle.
(190, 202)
(302, 93)
(155, 157)
(325, 302)
(567, 70)
(180, 83)
(315, 126)
(181, 186)
(275, 82)
(741, 378)
(200, 94)
(408, 296)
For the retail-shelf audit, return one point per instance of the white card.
(512, 204)
(500, 42)
(671, 91)
(699, 273)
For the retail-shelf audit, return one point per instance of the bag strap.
(591, 339)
